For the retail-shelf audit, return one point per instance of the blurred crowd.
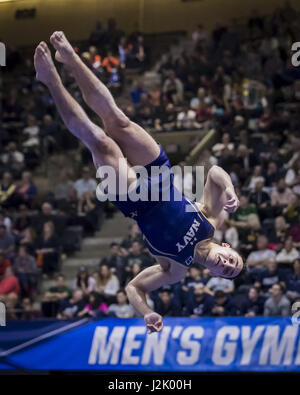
(236, 79)
(225, 77)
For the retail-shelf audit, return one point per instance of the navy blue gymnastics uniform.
(171, 228)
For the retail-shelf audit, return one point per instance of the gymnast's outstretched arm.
(149, 280)
(219, 194)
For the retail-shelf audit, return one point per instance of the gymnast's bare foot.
(44, 66)
(64, 50)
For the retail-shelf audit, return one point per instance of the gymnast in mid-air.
(178, 232)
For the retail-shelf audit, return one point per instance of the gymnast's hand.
(154, 322)
(232, 201)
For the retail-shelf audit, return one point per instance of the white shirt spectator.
(32, 133)
(253, 182)
(121, 311)
(82, 186)
(290, 177)
(112, 287)
(230, 236)
(284, 256)
(219, 147)
(186, 119)
(261, 255)
(15, 156)
(220, 284)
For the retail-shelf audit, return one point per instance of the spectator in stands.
(115, 261)
(107, 283)
(277, 304)
(272, 175)
(7, 190)
(84, 282)
(26, 190)
(137, 92)
(167, 119)
(4, 263)
(292, 177)
(200, 35)
(48, 249)
(134, 235)
(12, 108)
(9, 284)
(186, 119)
(26, 270)
(13, 159)
(241, 218)
(227, 234)
(260, 258)
(294, 231)
(255, 178)
(253, 305)
(6, 221)
(46, 215)
(260, 198)
(85, 184)
(269, 276)
(293, 281)
(70, 308)
(11, 304)
(31, 133)
(226, 147)
(166, 304)
(192, 279)
(218, 283)
(121, 309)
(137, 255)
(200, 303)
(282, 195)
(28, 311)
(28, 239)
(173, 88)
(54, 295)
(64, 189)
(7, 242)
(87, 212)
(110, 63)
(122, 48)
(96, 307)
(278, 233)
(224, 305)
(288, 254)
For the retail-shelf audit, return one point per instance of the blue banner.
(205, 344)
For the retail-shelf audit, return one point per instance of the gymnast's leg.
(136, 144)
(104, 150)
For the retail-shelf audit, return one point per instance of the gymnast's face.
(221, 260)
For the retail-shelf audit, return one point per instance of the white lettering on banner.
(226, 348)
(156, 345)
(275, 351)
(193, 347)
(249, 342)
(270, 344)
(105, 351)
(131, 344)
(297, 359)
